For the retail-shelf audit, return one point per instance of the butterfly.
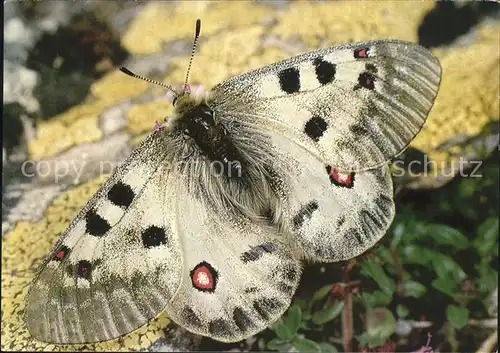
(212, 215)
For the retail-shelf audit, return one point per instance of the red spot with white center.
(340, 179)
(204, 277)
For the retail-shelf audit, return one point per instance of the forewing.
(353, 106)
(117, 264)
(238, 277)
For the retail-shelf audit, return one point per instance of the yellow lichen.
(23, 250)
(160, 22)
(466, 102)
(224, 55)
(116, 86)
(55, 135)
(141, 117)
(329, 23)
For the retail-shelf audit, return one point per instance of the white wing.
(332, 216)
(353, 106)
(238, 277)
(148, 241)
(118, 263)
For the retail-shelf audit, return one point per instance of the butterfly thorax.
(233, 176)
(197, 121)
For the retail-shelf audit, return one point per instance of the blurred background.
(69, 116)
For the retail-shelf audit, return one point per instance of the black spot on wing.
(289, 80)
(286, 288)
(121, 194)
(266, 306)
(361, 127)
(153, 236)
(289, 272)
(251, 290)
(340, 221)
(354, 234)
(325, 71)
(320, 249)
(189, 315)
(315, 128)
(84, 269)
(242, 319)
(219, 327)
(384, 203)
(95, 224)
(305, 213)
(367, 79)
(371, 68)
(370, 219)
(256, 252)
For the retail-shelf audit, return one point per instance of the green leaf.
(402, 311)
(488, 278)
(397, 234)
(445, 235)
(278, 345)
(293, 319)
(457, 316)
(302, 303)
(328, 313)
(380, 322)
(486, 242)
(321, 293)
(445, 266)
(372, 269)
(282, 331)
(385, 255)
(366, 340)
(305, 345)
(375, 298)
(446, 285)
(418, 255)
(413, 289)
(327, 347)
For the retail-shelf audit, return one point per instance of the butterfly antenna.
(132, 74)
(195, 42)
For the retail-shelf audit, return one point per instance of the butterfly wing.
(353, 106)
(118, 263)
(331, 215)
(238, 277)
(147, 241)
